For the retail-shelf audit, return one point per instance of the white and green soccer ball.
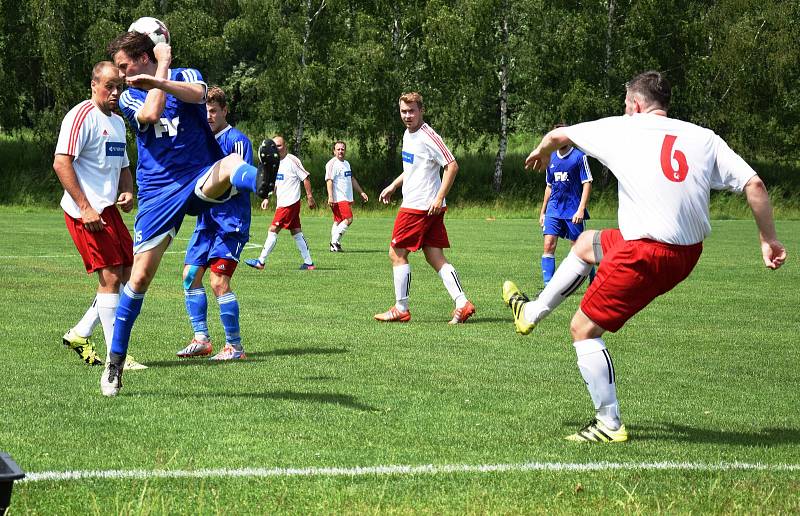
(153, 27)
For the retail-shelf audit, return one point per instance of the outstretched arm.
(539, 157)
(772, 250)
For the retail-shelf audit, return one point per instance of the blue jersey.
(232, 216)
(172, 151)
(565, 177)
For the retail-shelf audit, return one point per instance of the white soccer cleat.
(132, 365)
(111, 380)
(196, 348)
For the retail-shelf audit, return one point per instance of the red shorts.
(287, 217)
(414, 229)
(223, 266)
(631, 274)
(341, 211)
(112, 246)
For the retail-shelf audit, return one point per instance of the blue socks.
(244, 178)
(130, 304)
(229, 315)
(197, 308)
(548, 267)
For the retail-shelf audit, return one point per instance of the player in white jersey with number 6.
(420, 222)
(666, 169)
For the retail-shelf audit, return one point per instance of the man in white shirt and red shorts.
(420, 222)
(666, 169)
(340, 183)
(92, 164)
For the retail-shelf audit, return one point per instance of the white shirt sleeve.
(730, 172)
(595, 138)
(329, 170)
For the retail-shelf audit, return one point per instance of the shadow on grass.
(252, 357)
(329, 398)
(676, 432)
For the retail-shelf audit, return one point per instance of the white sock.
(340, 229)
(597, 370)
(107, 310)
(302, 246)
(86, 325)
(402, 286)
(453, 284)
(269, 245)
(568, 277)
(334, 233)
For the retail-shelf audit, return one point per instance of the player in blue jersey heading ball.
(569, 182)
(181, 169)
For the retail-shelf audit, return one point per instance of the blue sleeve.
(244, 148)
(583, 164)
(189, 75)
(130, 102)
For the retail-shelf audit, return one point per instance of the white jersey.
(342, 177)
(96, 142)
(287, 183)
(424, 155)
(666, 169)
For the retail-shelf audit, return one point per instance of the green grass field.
(707, 378)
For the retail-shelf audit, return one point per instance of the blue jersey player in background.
(218, 239)
(569, 183)
(181, 170)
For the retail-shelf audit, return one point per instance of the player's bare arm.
(772, 250)
(309, 196)
(357, 188)
(156, 98)
(125, 199)
(386, 193)
(62, 164)
(547, 191)
(448, 178)
(539, 157)
(329, 186)
(587, 189)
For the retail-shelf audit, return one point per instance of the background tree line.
(487, 68)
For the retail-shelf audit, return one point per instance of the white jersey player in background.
(420, 222)
(666, 169)
(340, 183)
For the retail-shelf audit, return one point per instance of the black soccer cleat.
(270, 160)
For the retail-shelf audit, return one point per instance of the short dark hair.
(134, 44)
(558, 125)
(99, 68)
(653, 86)
(215, 94)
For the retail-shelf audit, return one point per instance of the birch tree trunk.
(502, 73)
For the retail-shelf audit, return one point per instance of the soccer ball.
(153, 27)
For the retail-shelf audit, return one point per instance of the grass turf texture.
(706, 374)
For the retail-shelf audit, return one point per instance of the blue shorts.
(161, 215)
(562, 228)
(208, 244)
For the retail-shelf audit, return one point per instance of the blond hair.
(410, 97)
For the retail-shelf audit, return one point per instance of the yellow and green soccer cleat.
(596, 431)
(516, 300)
(82, 346)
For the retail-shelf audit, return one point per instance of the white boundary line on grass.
(428, 469)
(74, 255)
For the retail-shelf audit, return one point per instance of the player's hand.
(774, 254)
(436, 206)
(125, 201)
(91, 219)
(311, 202)
(364, 197)
(142, 81)
(330, 202)
(265, 203)
(537, 160)
(578, 217)
(541, 220)
(386, 194)
(163, 53)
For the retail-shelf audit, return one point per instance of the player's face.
(107, 89)
(128, 66)
(281, 145)
(411, 115)
(217, 116)
(339, 150)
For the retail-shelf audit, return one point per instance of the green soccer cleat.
(516, 300)
(83, 347)
(596, 431)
